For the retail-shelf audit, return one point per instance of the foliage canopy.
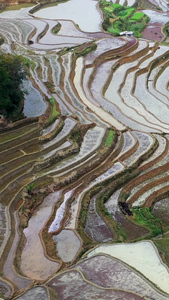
(118, 18)
(12, 73)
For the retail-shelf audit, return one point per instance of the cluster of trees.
(12, 73)
(119, 18)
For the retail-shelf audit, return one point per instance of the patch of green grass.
(30, 187)
(84, 49)
(55, 112)
(111, 7)
(137, 34)
(113, 31)
(108, 9)
(144, 217)
(124, 14)
(162, 246)
(110, 137)
(29, 63)
(158, 8)
(137, 16)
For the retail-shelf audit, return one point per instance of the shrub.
(30, 187)
(137, 34)
(122, 13)
(113, 31)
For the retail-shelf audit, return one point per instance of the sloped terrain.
(87, 168)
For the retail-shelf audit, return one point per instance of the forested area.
(12, 73)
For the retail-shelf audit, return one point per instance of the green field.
(118, 18)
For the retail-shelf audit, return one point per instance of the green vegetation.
(12, 73)
(30, 187)
(1, 40)
(15, 134)
(50, 86)
(56, 29)
(83, 215)
(144, 217)
(166, 29)
(118, 18)
(75, 136)
(137, 16)
(162, 246)
(19, 6)
(84, 49)
(110, 138)
(124, 195)
(80, 50)
(115, 228)
(55, 112)
(28, 63)
(126, 13)
(158, 8)
(115, 8)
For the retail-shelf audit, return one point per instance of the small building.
(126, 33)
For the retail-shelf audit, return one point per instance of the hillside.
(84, 183)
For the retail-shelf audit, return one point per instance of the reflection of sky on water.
(34, 104)
(82, 12)
(157, 16)
(19, 13)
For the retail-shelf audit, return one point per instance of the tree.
(12, 73)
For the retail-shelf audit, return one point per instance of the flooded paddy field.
(84, 203)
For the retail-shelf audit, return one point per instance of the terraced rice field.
(84, 178)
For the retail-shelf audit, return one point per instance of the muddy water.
(142, 256)
(95, 227)
(67, 245)
(8, 269)
(34, 263)
(36, 293)
(5, 289)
